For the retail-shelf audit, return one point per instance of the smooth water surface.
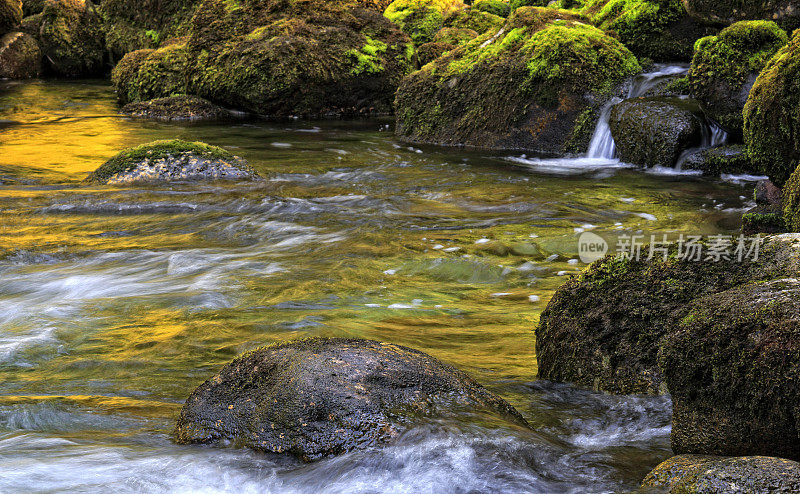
(116, 302)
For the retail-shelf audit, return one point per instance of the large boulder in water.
(772, 115)
(603, 329)
(71, 37)
(655, 131)
(732, 366)
(295, 58)
(20, 57)
(324, 396)
(660, 30)
(10, 14)
(172, 161)
(784, 12)
(535, 83)
(725, 67)
(702, 474)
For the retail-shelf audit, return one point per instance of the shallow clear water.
(116, 302)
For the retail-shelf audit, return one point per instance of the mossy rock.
(143, 75)
(521, 86)
(10, 15)
(791, 202)
(515, 4)
(785, 12)
(32, 7)
(603, 328)
(177, 108)
(20, 57)
(732, 367)
(716, 161)
(170, 161)
(706, 474)
(660, 30)
(71, 38)
(474, 20)
(772, 115)
(763, 218)
(496, 7)
(725, 67)
(655, 131)
(320, 397)
(420, 19)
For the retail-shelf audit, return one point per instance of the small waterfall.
(713, 136)
(602, 143)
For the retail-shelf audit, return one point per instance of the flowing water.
(116, 302)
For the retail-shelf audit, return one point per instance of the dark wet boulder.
(71, 38)
(529, 84)
(713, 162)
(767, 216)
(10, 14)
(172, 161)
(20, 57)
(421, 19)
(177, 108)
(143, 75)
(603, 329)
(660, 30)
(732, 367)
(725, 67)
(317, 397)
(772, 115)
(701, 474)
(784, 12)
(655, 131)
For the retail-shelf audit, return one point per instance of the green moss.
(473, 19)
(368, 59)
(419, 18)
(148, 74)
(679, 86)
(791, 202)
(772, 115)
(130, 158)
(496, 7)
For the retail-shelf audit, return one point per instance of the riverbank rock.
(10, 15)
(20, 57)
(535, 83)
(71, 38)
(725, 67)
(318, 397)
(421, 19)
(177, 108)
(713, 162)
(772, 115)
(660, 30)
(170, 161)
(768, 214)
(784, 12)
(732, 366)
(700, 474)
(655, 131)
(311, 59)
(603, 329)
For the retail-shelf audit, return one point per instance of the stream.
(115, 303)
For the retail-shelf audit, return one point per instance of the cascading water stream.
(602, 144)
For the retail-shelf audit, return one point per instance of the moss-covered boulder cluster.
(724, 12)
(524, 84)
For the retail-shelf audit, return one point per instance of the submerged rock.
(177, 108)
(655, 131)
(700, 474)
(173, 160)
(71, 37)
(772, 115)
(603, 329)
(533, 83)
(20, 57)
(317, 397)
(725, 67)
(716, 161)
(10, 14)
(784, 12)
(732, 366)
